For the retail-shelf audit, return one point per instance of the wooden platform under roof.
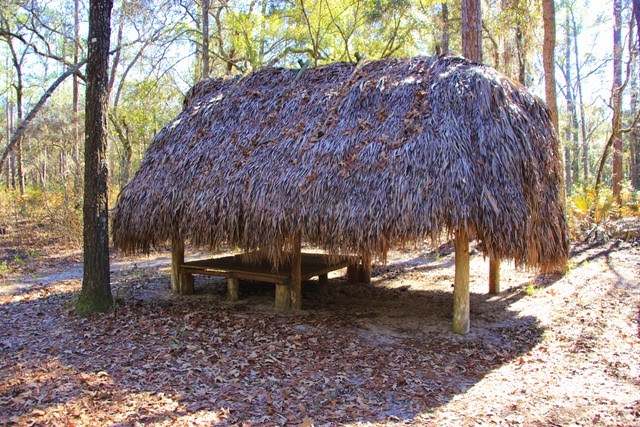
(245, 266)
(287, 277)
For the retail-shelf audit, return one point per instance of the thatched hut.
(354, 159)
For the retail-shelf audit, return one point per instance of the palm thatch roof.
(358, 158)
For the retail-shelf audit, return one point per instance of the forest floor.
(548, 350)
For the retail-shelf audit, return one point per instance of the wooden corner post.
(365, 273)
(296, 273)
(180, 283)
(177, 259)
(494, 275)
(461, 284)
(233, 289)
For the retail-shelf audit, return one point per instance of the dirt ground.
(549, 350)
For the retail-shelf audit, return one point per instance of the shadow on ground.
(357, 353)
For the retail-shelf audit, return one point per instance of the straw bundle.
(357, 159)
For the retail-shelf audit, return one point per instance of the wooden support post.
(296, 273)
(233, 289)
(365, 269)
(186, 284)
(180, 283)
(177, 259)
(323, 280)
(283, 296)
(494, 275)
(461, 284)
(353, 273)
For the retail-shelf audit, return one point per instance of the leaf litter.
(548, 350)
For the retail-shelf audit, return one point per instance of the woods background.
(160, 49)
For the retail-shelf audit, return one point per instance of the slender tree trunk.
(77, 176)
(583, 122)
(18, 150)
(12, 159)
(548, 58)
(571, 130)
(19, 87)
(43, 169)
(19, 168)
(634, 134)
(444, 39)
(8, 128)
(570, 109)
(507, 44)
(95, 294)
(616, 96)
(9, 137)
(205, 39)
(472, 30)
(122, 131)
(636, 15)
(522, 56)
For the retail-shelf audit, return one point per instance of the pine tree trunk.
(472, 30)
(9, 135)
(583, 122)
(205, 39)
(634, 134)
(444, 39)
(571, 108)
(634, 139)
(95, 294)
(548, 58)
(617, 99)
(77, 176)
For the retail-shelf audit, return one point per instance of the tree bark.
(19, 88)
(548, 58)
(9, 138)
(570, 131)
(472, 30)
(616, 98)
(444, 39)
(95, 294)
(507, 44)
(636, 15)
(77, 176)
(205, 39)
(634, 135)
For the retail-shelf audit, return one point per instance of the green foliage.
(18, 260)
(630, 200)
(93, 301)
(586, 210)
(531, 289)
(4, 268)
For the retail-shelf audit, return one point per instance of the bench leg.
(365, 272)
(283, 297)
(323, 280)
(186, 284)
(233, 289)
(353, 273)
